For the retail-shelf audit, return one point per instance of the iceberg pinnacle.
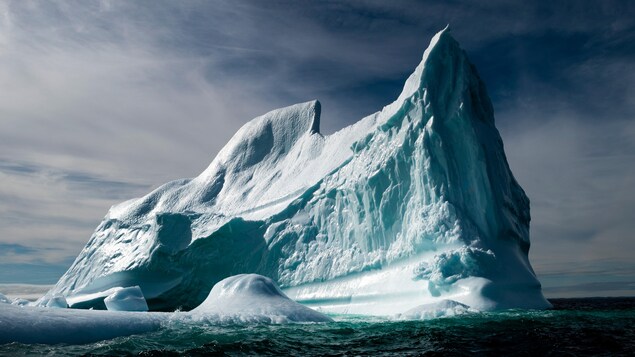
(412, 205)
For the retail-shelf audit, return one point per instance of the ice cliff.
(412, 205)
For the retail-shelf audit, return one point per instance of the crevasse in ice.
(412, 205)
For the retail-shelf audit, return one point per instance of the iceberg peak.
(445, 79)
(441, 44)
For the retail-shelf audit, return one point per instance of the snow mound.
(252, 298)
(126, 299)
(414, 204)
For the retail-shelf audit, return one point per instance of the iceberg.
(412, 205)
(443, 308)
(29, 324)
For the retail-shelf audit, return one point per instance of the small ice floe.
(443, 308)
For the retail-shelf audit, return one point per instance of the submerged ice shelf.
(412, 205)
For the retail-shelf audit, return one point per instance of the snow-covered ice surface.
(241, 299)
(412, 205)
(28, 324)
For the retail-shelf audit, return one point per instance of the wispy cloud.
(12, 248)
(76, 181)
(47, 213)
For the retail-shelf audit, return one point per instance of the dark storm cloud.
(106, 99)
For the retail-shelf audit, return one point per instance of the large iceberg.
(412, 205)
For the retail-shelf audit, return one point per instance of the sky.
(102, 101)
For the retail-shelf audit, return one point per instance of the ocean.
(574, 327)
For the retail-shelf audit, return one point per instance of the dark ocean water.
(592, 326)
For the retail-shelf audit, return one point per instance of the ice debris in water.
(126, 299)
(411, 205)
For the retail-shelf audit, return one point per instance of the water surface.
(591, 326)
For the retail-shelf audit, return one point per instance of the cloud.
(24, 291)
(10, 249)
(48, 213)
(79, 182)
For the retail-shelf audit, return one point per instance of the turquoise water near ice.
(591, 326)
